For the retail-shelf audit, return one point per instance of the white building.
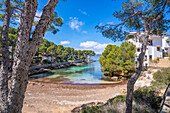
(158, 46)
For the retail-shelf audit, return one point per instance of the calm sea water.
(84, 74)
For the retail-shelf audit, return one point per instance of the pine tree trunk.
(21, 64)
(134, 77)
(25, 49)
(5, 59)
(12, 56)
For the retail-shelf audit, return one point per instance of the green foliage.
(18, 6)
(162, 77)
(54, 23)
(119, 98)
(118, 59)
(62, 53)
(83, 57)
(130, 16)
(93, 109)
(117, 105)
(12, 37)
(35, 61)
(148, 96)
(15, 12)
(46, 62)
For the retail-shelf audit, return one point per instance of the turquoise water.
(84, 74)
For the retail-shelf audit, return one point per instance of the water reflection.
(84, 74)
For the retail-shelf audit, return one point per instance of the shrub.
(119, 98)
(158, 58)
(46, 62)
(155, 61)
(35, 61)
(162, 77)
(148, 96)
(93, 109)
(118, 105)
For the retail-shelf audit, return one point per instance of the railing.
(164, 98)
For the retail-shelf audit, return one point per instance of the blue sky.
(80, 18)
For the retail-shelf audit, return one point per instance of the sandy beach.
(62, 98)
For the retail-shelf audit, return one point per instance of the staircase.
(165, 107)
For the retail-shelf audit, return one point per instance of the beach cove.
(69, 87)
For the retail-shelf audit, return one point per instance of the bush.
(155, 61)
(83, 57)
(119, 98)
(35, 61)
(148, 96)
(146, 100)
(71, 59)
(118, 105)
(93, 109)
(162, 77)
(158, 58)
(46, 62)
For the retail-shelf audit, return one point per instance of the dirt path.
(57, 98)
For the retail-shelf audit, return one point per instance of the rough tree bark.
(135, 76)
(25, 49)
(5, 59)
(12, 56)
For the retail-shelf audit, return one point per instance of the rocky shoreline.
(48, 67)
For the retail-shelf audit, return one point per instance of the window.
(166, 48)
(158, 48)
(150, 42)
(150, 57)
(138, 49)
(145, 57)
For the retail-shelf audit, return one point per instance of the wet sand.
(61, 98)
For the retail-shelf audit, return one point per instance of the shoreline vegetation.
(37, 69)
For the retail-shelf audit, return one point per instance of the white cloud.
(75, 23)
(100, 46)
(64, 42)
(100, 23)
(110, 23)
(85, 32)
(98, 52)
(83, 12)
(38, 15)
(88, 44)
(18, 20)
(95, 46)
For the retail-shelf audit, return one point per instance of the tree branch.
(42, 25)
(18, 9)
(37, 17)
(127, 19)
(160, 14)
(144, 21)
